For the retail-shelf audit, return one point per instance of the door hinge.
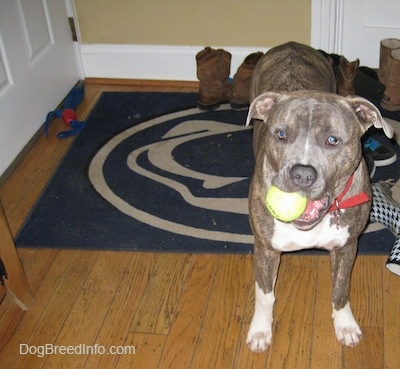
(73, 29)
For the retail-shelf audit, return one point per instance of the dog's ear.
(262, 104)
(369, 115)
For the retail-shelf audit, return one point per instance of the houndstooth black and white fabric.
(385, 210)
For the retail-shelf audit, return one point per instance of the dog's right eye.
(281, 134)
(332, 140)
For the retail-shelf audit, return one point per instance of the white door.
(365, 24)
(354, 28)
(38, 67)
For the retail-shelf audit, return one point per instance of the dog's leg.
(266, 265)
(346, 328)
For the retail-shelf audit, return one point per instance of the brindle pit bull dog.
(307, 140)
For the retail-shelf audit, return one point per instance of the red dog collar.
(355, 200)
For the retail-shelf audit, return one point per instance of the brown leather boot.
(387, 45)
(391, 96)
(241, 81)
(213, 69)
(348, 71)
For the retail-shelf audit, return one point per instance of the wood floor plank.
(28, 180)
(368, 354)
(10, 317)
(219, 336)
(306, 261)
(90, 308)
(292, 326)
(36, 269)
(138, 83)
(36, 264)
(326, 351)
(13, 279)
(55, 275)
(161, 297)
(182, 338)
(249, 307)
(148, 349)
(245, 358)
(391, 309)
(53, 317)
(123, 308)
(366, 291)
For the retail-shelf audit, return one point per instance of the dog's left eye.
(332, 140)
(281, 134)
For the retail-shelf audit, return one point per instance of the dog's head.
(311, 143)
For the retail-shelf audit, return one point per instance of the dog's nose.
(303, 175)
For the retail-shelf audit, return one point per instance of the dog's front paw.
(258, 341)
(346, 328)
(259, 336)
(349, 336)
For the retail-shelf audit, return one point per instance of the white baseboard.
(150, 61)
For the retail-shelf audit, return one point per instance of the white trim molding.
(327, 19)
(71, 12)
(161, 62)
(150, 61)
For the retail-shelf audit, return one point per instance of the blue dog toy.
(67, 111)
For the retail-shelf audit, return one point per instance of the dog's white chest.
(324, 235)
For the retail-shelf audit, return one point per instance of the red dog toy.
(68, 112)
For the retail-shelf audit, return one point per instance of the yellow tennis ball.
(285, 206)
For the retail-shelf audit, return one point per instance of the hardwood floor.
(178, 310)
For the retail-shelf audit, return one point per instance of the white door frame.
(327, 18)
(71, 12)
(354, 28)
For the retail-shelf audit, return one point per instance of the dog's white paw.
(258, 341)
(349, 336)
(346, 328)
(259, 336)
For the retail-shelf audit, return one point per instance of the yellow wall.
(194, 22)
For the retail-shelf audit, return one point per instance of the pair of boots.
(213, 70)
(347, 73)
(389, 73)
